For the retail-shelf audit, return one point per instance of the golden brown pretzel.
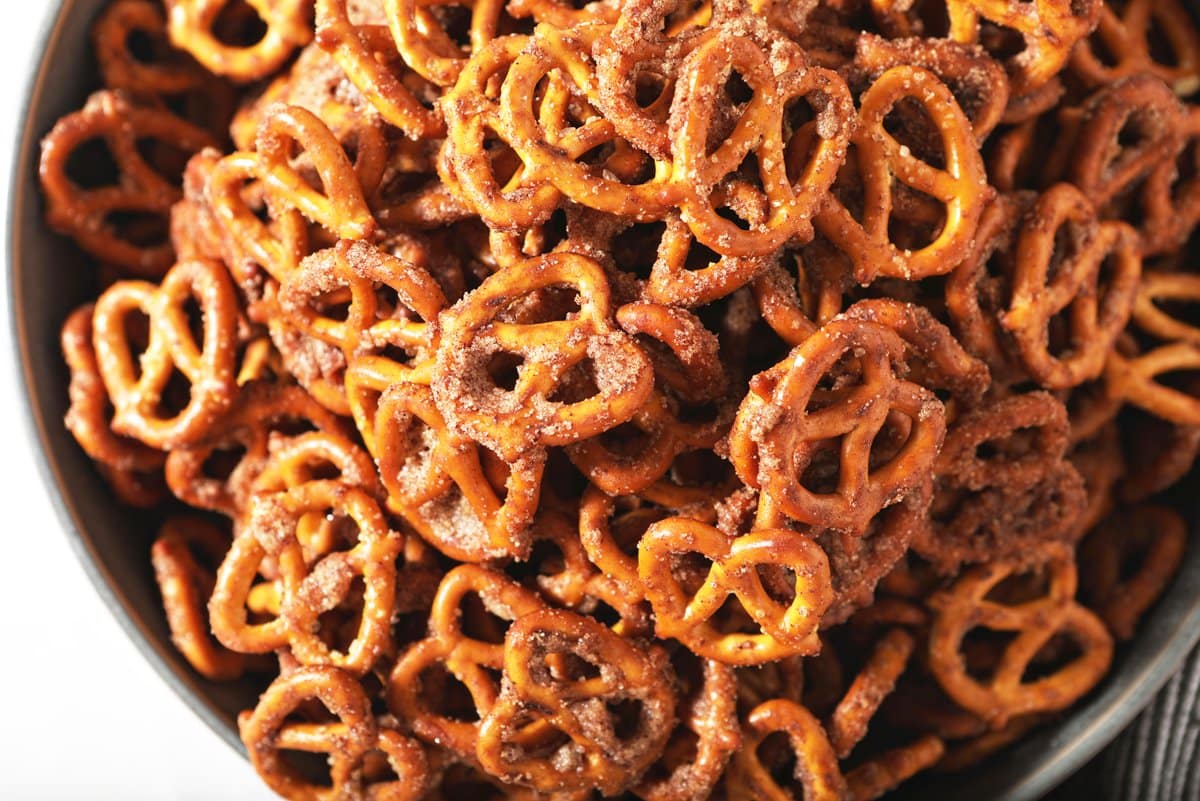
(817, 773)
(1124, 35)
(194, 27)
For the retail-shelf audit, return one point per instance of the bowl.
(113, 542)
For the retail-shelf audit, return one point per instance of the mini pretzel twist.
(1050, 29)
(1034, 622)
(470, 661)
(166, 74)
(88, 214)
(1124, 33)
(1052, 279)
(1154, 537)
(817, 770)
(789, 422)
(551, 727)
(194, 27)
(349, 740)
(882, 160)
(687, 593)
(511, 422)
(140, 408)
(179, 553)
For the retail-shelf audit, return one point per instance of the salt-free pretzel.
(513, 421)
(1006, 694)
(194, 27)
(1151, 536)
(349, 740)
(91, 215)
(788, 421)
(1050, 279)
(687, 593)
(551, 729)
(179, 554)
(469, 660)
(142, 408)
(883, 160)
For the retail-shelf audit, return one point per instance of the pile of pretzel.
(745, 399)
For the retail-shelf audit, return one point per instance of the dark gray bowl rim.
(1079, 736)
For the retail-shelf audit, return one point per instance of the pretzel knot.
(577, 377)
(804, 434)
(195, 26)
(690, 570)
(352, 741)
(1124, 44)
(458, 495)
(315, 586)
(1060, 257)
(580, 707)
(938, 158)
(90, 214)
(1050, 29)
(1034, 621)
(367, 55)
(449, 653)
(179, 554)
(143, 407)
(1153, 538)
(816, 763)
(169, 73)
(797, 159)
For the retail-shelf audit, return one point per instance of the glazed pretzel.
(271, 530)
(1050, 29)
(1006, 694)
(1049, 280)
(511, 422)
(1153, 537)
(817, 766)
(179, 554)
(796, 168)
(470, 661)
(193, 26)
(788, 421)
(1123, 33)
(132, 468)
(258, 416)
(674, 281)
(137, 390)
(422, 39)
(1132, 376)
(349, 740)
(367, 54)
(686, 595)
(167, 73)
(87, 214)
(551, 730)
(458, 496)
(883, 161)
(1157, 289)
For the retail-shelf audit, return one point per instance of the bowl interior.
(49, 277)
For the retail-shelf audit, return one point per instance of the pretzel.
(184, 582)
(1123, 33)
(686, 596)
(817, 766)
(1154, 538)
(786, 420)
(140, 410)
(1160, 454)
(165, 73)
(349, 741)
(1050, 28)
(961, 187)
(463, 658)
(548, 728)
(510, 422)
(139, 189)
(426, 46)
(1132, 377)
(848, 724)
(363, 51)
(1049, 280)
(1034, 622)
(194, 26)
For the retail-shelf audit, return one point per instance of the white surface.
(82, 716)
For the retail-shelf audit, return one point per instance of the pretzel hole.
(1004, 44)
(635, 249)
(983, 650)
(92, 165)
(239, 25)
(626, 715)
(699, 468)
(819, 472)
(910, 124)
(166, 158)
(143, 229)
(649, 87)
(631, 521)
(455, 22)
(222, 461)
(776, 755)
(917, 218)
(1059, 651)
